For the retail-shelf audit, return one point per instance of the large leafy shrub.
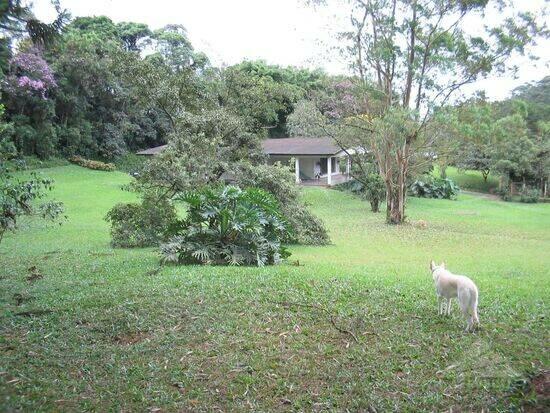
(373, 189)
(227, 225)
(279, 181)
(434, 188)
(142, 225)
(529, 196)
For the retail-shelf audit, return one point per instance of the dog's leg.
(449, 306)
(439, 305)
(470, 325)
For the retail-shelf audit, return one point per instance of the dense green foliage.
(220, 135)
(98, 89)
(371, 188)
(92, 93)
(508, 139)
(80, 94)
(142, 225)
(267, 94)
(227, 225)
(21, 195)
(170, 338)
(430, 187)
(409, 59)
(278, 180)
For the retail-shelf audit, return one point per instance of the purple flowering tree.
(30, 74)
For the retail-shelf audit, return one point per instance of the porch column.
(297, 168)
(348, 165)
(329, 171)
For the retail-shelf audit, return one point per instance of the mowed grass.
(105, 329)
(471, 180)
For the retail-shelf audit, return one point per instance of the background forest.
(88, 86)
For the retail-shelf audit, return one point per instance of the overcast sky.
(284, 32)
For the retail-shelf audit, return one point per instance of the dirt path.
(482, 195)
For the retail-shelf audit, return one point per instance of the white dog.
(449, 286)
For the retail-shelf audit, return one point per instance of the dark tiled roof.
(282, 146)
(300, 146)
(152, 151)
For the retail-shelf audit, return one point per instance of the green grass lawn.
(471, 180)
(103, 331)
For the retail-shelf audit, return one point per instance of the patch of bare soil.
(131, 338)
(541, 386)
(482, 195)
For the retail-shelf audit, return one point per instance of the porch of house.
(315, 170)
(338, 178)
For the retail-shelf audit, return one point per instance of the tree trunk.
(443, 171)
(395, 199)
(394, 211)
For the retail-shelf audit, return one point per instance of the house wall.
(307, 166)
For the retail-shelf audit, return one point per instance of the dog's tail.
(468, 298)
(475, 295)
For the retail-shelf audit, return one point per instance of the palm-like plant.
(227, 225)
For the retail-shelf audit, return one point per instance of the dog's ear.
(432, 265)
(443, 265)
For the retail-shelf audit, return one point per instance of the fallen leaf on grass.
(34, 274)
(452, 366)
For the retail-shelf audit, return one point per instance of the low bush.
(145, 224)
(504, 194)
(434, 188)
(279, 181)
(529, 196)
(96, 165)
(228, 226)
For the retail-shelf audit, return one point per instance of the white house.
(318, 161)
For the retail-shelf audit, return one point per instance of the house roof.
(282, 146)
(300, 146)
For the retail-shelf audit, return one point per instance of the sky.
(284, 32)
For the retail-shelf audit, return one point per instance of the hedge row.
(97, 165)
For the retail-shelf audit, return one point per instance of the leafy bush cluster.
(278, 180)
(434, 188)
(373, 190)
(96, 165)
(529, 196)
(142, 225)
(227, 225)
(20, 197)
